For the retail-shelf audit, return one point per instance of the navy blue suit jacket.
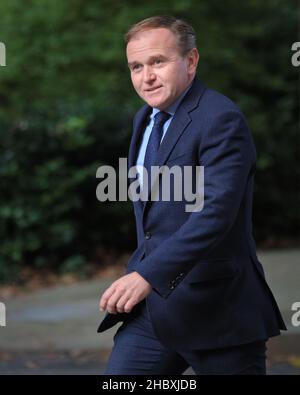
(208, 287)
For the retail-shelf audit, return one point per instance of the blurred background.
(66, 108)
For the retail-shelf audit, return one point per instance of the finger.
(122, 302)
(105, 297)
(132, 301)
(112, 301)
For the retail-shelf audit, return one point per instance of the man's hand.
(125, 293)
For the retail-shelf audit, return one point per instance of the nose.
(148, 75)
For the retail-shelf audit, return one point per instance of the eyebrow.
(151, 59)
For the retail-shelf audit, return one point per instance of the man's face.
(159, 73)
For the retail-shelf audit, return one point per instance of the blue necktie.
(154, 141)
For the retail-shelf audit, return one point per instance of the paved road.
(54, 330)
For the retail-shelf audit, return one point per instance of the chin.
(154, 101)
(157, 104)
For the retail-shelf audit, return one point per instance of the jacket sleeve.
(228, 155)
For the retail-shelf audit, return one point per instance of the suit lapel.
(138, 130)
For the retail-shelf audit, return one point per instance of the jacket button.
(148, 235)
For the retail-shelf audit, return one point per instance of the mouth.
(154, 89)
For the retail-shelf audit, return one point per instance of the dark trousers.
(138, 351)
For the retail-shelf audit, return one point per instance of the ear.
(193, 58)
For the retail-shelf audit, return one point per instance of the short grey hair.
(184, 32)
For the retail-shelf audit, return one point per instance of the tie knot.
(160, 118)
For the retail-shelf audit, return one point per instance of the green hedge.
(66, 106)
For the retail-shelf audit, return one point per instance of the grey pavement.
(54, 330)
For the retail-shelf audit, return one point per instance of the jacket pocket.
(212, 270)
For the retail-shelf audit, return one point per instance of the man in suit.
(194, 293)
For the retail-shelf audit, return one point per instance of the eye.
(136, 67)
(158, 61)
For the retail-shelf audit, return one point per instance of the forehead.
(149, 42)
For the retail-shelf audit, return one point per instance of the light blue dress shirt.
(142, 151)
